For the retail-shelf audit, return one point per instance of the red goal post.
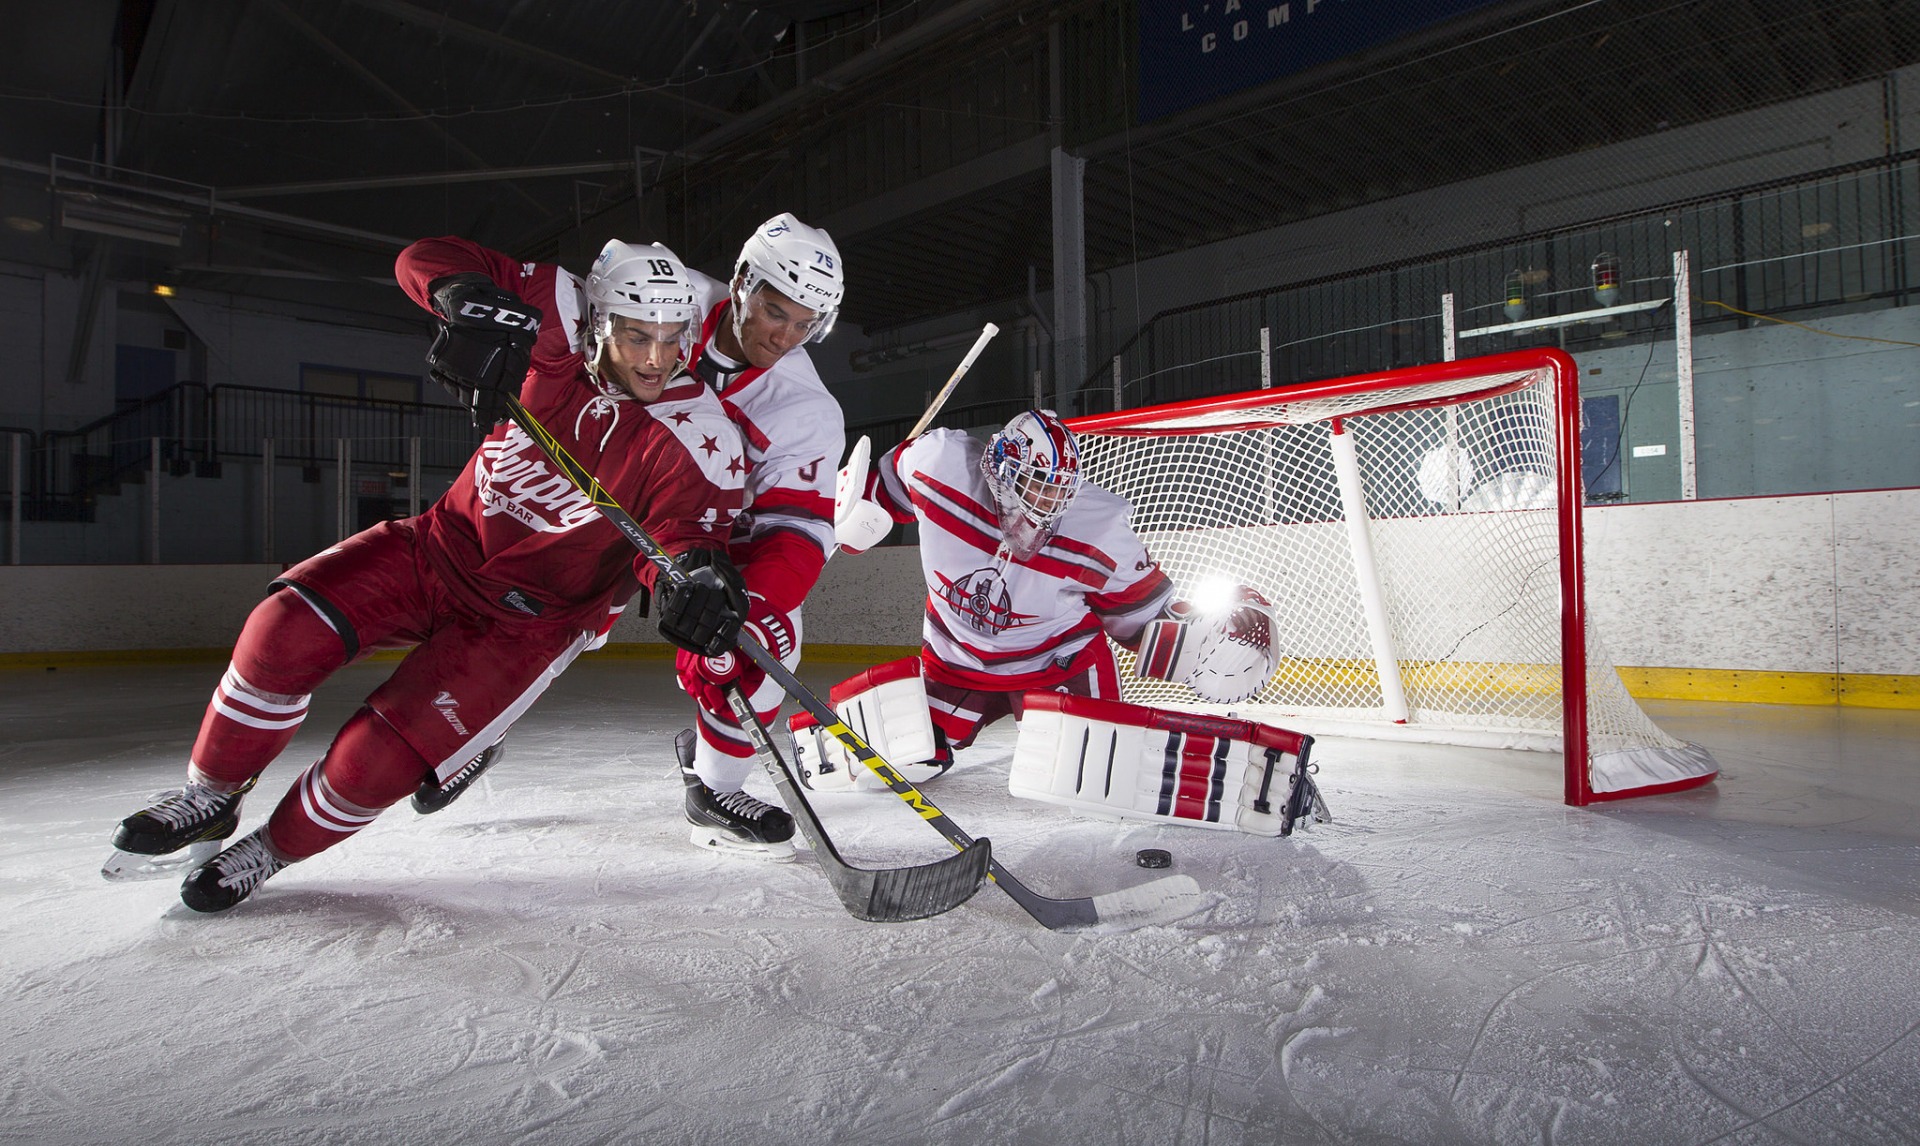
(1419, 534)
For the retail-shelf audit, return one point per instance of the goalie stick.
(986, 334)
(1167, 895)
(876, 895)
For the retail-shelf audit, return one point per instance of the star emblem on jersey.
(680, 418)
(981, 597)
(710, 444)
(737, 466)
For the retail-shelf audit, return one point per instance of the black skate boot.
(195, 817)
(231, 876)
(434, 795)
(183, 817)
(731, 822)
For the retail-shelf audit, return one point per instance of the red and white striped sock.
(312, 817)
(244, 728)
(368, 768)
(286, 649)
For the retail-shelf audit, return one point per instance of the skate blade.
(131, 867)
(718, 841)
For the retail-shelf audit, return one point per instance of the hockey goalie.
(1029, 571)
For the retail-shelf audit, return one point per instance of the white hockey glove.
(1224, 658)
(858, 524)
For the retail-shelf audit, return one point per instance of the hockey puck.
(1153, 857)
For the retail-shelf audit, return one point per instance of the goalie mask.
(800, 262)
(1033, 469)
(643, 285)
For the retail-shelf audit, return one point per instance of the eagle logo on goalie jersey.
(982, 598)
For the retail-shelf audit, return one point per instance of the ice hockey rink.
(1457, 958)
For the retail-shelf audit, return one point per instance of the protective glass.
(772, 309)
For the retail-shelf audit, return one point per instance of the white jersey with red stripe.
(793, 430)
(1000, 622)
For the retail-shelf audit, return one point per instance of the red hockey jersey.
(513, 536)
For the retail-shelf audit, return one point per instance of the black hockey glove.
(484, 343)
(703, 615)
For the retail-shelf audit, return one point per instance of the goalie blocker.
(887, 706)
(1114, 759)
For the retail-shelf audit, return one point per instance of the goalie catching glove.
(1224, 658)
(858, 524)
(484, 343)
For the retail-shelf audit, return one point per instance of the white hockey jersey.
(794, 434)
(1000, 623)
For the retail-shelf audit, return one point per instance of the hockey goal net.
(1418, 533)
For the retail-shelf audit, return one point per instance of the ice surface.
(1459, 958)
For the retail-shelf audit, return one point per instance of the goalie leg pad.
(886, 706)
(1109, 758)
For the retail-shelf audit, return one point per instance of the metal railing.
(201, 427)
(1841, 239)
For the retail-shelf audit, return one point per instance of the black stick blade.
(901, 894)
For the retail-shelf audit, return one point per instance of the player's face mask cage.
(1033, 467)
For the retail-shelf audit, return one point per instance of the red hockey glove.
(706, 678)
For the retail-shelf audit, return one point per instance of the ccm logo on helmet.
(501, 316)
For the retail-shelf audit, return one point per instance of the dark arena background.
(1700, 218)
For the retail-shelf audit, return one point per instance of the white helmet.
(799, 261)
(645, 284)
(1033, 468)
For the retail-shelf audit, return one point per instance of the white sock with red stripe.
(722, 756)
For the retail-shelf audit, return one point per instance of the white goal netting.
(1408, 529)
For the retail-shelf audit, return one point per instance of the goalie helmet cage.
(1418, 532)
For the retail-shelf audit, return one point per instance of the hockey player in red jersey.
(1028, 569)
(498, 586)
(785, 292)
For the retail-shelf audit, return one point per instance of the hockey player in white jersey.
(1028, 570)
(785, 292)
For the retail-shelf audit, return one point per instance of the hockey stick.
(1159, 895)
(986, 333)
(877, 895)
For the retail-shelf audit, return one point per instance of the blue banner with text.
(1195, 51)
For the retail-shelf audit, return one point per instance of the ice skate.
(194, 818)
(434, 796)
(731, 822)
(231, 876)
